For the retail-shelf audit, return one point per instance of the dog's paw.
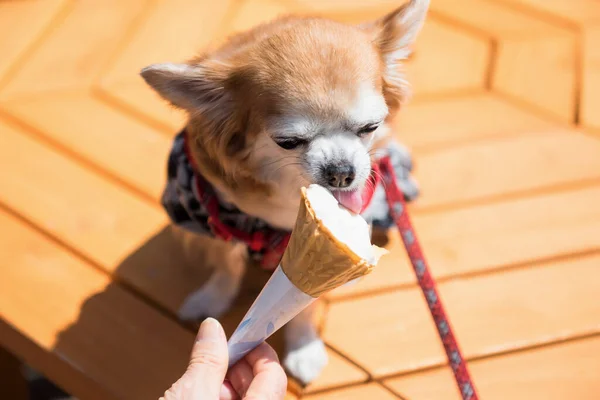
(204, 302)
(306, 362)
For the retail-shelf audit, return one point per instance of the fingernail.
(210, 329)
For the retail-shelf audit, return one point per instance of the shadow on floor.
(159, 275)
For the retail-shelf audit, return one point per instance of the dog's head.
(298, 98)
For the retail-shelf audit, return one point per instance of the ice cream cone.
(329, 247)
(317, 260)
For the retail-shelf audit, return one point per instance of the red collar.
(259, 241)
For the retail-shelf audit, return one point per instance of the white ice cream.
(348, 227)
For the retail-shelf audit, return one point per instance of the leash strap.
(398, 212)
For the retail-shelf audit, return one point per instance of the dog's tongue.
(351, 200)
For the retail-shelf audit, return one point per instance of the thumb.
(209, 359)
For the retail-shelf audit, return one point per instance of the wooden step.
(139, 100)
(109, 139)
(465, 56)
(563, 371)
(77, 50)
(17, 37)
(93, 338)
(490, 314)
(170, 31)
(570, 13)
(456, 120)
(505, 167)
(529, 53)
(490, 237)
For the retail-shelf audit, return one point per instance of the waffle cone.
(315, 260)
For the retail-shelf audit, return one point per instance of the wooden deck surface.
(505, 128)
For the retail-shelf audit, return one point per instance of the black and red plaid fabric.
(193, 204)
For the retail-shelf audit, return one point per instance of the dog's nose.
(339, 176)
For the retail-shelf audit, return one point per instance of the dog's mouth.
(351, 199)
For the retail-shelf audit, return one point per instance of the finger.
(240, 376)
(263, 351)
(270, 382)
(208, 362)
(228, 392)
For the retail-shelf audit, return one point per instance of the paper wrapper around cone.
(314, 263)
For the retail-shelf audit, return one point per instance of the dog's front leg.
(216, 296)
(305, 352)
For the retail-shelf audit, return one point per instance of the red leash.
(397, 207)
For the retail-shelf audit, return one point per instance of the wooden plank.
(368, 391)
(558, 372)
(483, 238)
(590, 104)
(524, 68)
(118, 231)
(115, 142)
(424, 125)
(326, 6)
(172, 31)
(490, 314)
(89, 335)
(464, 56)
(365, 329)
(143, 102)
(509, 310)
(530, 53)
(496, 235)
(73, 54)
(21, 23)
(166, 26)
(495, 19)
(575, 13)
(251, 13)
(505, 166)
(338, 372)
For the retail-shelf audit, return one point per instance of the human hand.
(258, 376)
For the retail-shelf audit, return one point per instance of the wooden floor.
(505, 128)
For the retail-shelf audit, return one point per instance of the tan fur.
(259, 64)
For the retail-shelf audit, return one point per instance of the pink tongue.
(351, 200)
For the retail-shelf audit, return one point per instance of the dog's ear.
(395, 33)
(193, 87)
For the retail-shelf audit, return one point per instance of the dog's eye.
(365, 130)
(290, 143)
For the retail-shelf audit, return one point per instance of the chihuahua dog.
(289, 103)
